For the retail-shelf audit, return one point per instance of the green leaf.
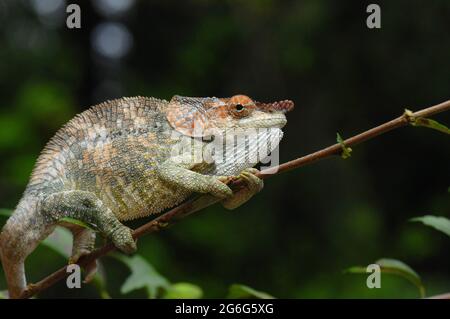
(183, 290)
(6, 212)
(355, 270)
(238, 291)
(3, 294)
(346, 151)
(437, 222)
(143, 275)
(395, 267)
(425, 122)
(60, 241)
(422, 121)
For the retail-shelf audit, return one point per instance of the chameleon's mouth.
(272, 121)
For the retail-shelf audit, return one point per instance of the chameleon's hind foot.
(122, 238)
(74, 258)
(90, 269)
(83, 244)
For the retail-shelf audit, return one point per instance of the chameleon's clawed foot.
(123, 240)
(90, 268)
(219, 188)
(76, 256)
(252, 182)
(253, 185)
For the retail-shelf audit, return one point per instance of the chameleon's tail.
(22, 233)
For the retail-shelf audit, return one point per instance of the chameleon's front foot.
(122, 238)
(218, 187)
(253, 185)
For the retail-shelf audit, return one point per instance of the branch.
(443, 296)
(200, 202)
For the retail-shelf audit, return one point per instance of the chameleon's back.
(90, 139)
(111, 150)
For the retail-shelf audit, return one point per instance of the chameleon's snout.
(280, 106)
(283, 106)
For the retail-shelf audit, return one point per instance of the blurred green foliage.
(295, 238)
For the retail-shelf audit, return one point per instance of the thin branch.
(443, 296)
(200, 202)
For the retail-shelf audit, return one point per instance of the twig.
(443, 296)
(197, 203)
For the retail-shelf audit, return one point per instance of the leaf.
(422, 121)
(3, 294)
(238, 291)
(395, 267)
(346, 151)
(143, 275)
(6, 212)
(60, 241)
(437, 222)
(398, 267)
(356, 270)
(425, 122)
(183, 290)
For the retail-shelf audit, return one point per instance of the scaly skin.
(116, 162)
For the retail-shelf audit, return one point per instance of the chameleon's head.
(198, 117)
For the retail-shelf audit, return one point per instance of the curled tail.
(21, 234)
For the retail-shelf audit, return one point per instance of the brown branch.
(198, 203)
(443, 296)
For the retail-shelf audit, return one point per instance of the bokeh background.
(295, 238)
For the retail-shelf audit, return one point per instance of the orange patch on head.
(189, 115)
(239, 105)
(220, 111)
(241, 99)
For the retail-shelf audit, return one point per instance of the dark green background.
(295, 238)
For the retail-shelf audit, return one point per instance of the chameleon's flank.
(133, 157)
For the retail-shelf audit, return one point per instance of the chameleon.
(132, 157)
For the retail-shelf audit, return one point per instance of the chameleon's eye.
(239, 110)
